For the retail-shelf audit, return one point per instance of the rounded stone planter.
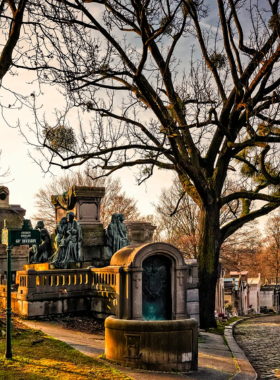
(154, 345)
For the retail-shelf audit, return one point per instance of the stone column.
(180, 301)
(136, 282)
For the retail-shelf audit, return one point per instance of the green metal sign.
(24, 236)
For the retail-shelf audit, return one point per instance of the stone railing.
(107, 278)
(53, 281)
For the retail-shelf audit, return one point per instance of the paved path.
(260, 340)
(215, 359)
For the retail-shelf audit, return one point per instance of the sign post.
(11, 238)
(9, 305)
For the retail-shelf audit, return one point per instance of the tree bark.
(208, 260)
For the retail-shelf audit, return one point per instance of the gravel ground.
(260, 340)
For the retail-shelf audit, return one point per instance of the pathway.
(260, 340)
(215, 358)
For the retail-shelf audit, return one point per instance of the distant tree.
(180, 218)
(180, 226)
(271, 254)
(115, 199)
(241, 250)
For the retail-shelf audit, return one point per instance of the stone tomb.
(153, 329)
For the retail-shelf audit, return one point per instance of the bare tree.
(211, 119)
(180, 225)
(180, 218)
(115, 199)
(272, 251)
(241, 250)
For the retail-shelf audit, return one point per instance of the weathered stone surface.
(193, 307)
(155, 345)
(259, 338)
(192, 295)
(139, 232)
(84, 201)
(93, 235)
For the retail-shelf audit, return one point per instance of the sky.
(26, 176)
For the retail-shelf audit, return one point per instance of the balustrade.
(52, 281)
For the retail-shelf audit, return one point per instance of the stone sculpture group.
(68, 241)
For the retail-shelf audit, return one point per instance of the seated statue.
(41, 253)
(116, 237)
(68, 242)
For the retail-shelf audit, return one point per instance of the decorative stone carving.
(154, 282)
(68, 241)
(116, 237)
(41, 253)
(139, 232)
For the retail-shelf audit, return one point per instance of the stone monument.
(84, 202)
(68, 242)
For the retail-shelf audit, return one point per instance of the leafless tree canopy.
(173, 85)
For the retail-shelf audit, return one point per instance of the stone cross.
(180, 276)
(136, 279)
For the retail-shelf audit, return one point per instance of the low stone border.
(246, 371)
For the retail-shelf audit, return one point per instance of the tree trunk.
(208, 259)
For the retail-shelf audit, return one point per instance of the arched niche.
(131, 259)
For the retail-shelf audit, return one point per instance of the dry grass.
(48, 359)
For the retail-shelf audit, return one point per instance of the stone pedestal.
(139, 232)
(153, 345)
(86, 208)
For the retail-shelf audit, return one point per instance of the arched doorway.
(156, 288)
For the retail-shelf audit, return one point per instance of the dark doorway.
(156, 288)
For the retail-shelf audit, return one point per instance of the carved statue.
(116, 237)
(123, 232)
(41, 253)
(68, 242)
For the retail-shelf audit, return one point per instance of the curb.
(246, 371)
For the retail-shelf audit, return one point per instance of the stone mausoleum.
(14, 215)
